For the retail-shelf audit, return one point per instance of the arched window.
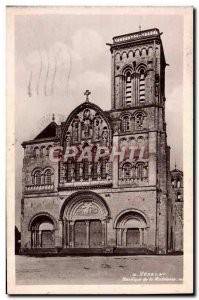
(37, 178)
(140, 170)
(86, 169)
(75, 125)
(126, 123)
(48, 177)
(94, 167)
(69, 170)
(139, 121)
(127, 171)
(127, 87)
(43, 151)
(48, 150)
(36, 152)
(142, 86)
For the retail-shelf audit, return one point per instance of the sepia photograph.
(99, 122)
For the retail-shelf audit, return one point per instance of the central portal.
(88, 234)
(85, 219)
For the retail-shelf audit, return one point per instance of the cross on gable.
(87, 93)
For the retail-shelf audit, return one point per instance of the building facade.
(120, 200)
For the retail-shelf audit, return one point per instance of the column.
(87, 234)
(124, 237)
(141, 238)
(40, 238)
(104, 233)
(37, 238)
(58, 234)
(119, 236)
(68, 235)
(64, 234)
(72, 242)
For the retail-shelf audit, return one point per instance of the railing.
(136, 35)
(37, 188)
(85, 183)
(133, 181)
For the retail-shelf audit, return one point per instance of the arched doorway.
(42, 229)
(131, 229)
(85, 217)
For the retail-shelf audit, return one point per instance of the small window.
(127, 171)
(38, 178)
(139, 121)
(48, 177)
(126, 123)
(140, 170)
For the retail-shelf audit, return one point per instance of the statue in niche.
(105, 136)
(107, 170)
(68, 139)
(98, 169)
(97, 127)
(81, 170)
(90, 169)
(72, 171)
(86, 124)
(64, 170)
(76, 128)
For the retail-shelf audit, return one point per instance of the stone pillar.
(124, 237)
(115, 168)
(141, 237)
(104, 233)
(64, 234)
(68, 234)
(40, 238)
(58, 234)
(119, 237)
(87, 234)
(72, 242)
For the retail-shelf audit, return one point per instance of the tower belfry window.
(128, 88)
(142, 86)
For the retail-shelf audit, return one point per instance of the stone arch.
(150, 50)
(85, 216)
(131, 228)
(76, 113)
(124, 54)
(126, 67)
(127, 212)
(140, 67)
(42, 227)
(143, 51)
(84, 196)
(40, 215)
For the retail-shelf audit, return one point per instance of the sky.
(58, 57)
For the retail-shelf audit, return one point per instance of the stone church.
(117, 203)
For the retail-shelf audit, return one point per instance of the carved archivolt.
(88, 124)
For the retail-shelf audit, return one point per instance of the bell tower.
(138, 69)
(138, 114)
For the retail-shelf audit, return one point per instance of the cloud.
(87, 44)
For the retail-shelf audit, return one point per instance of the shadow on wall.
(17, 240)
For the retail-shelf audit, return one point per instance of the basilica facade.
(101, 182)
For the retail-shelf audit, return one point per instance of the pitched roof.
(49, 131)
